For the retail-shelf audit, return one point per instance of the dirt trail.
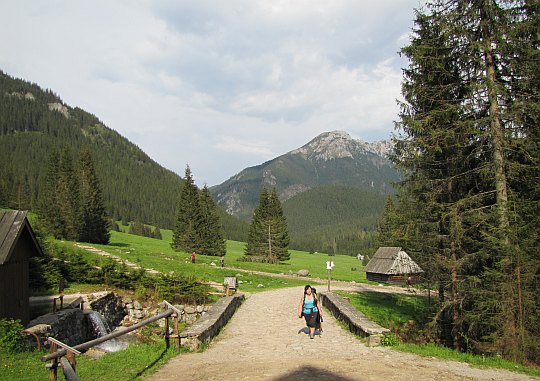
(264, 341)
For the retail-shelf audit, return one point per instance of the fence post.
(54, 362)
(167, 340)
(175, 330)
(175, 315)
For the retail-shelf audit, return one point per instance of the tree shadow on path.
(311, 373)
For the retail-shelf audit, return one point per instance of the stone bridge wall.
(209, 325)
(357, 322)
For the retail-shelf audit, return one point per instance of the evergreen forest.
(468, 142)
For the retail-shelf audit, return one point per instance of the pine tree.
(186, 233)
(388, 225)
(268, 238)
(93, 220)
(211, 230)
(465, 137)
(277, 232)
(67, 190)
(48, 203)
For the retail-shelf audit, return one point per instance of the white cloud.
(219, 85)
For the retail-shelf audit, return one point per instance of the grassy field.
(396, 310)
(158, 255)
(390, 310)
(137, 360)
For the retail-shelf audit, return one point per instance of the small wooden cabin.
(391, 265)
(17, 244)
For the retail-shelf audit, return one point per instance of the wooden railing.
(65, 357)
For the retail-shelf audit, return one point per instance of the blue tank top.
(309, 305)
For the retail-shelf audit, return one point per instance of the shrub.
(11, 339)
(389, 340)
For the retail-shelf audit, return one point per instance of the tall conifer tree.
(211, 230)
(93, 219)
(464, 138)
(186, 233)
(268, 238)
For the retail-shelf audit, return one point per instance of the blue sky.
(218, 85)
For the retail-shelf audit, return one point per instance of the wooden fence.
(64, 356)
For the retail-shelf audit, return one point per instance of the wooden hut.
(17, 244)
(391, 265)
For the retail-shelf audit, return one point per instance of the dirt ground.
(265, 340)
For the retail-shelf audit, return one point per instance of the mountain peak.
(339, 144)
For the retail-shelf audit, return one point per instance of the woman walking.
(310, 308)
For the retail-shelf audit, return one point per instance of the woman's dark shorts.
(311, 319)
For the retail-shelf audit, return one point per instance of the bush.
(11, 339)
(389, 340)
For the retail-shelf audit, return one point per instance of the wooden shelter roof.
(12, 224)
(392, 261)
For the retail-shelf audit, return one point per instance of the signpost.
(329, 267)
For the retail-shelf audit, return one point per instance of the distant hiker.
(222, 261)
(310, 308)
(193, 257)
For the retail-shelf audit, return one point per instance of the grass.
(395, 310)
(138, 360)
(433, 350)
(158, 255)
(390, 310)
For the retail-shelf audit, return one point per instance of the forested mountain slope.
(334, 219)
(33, 121)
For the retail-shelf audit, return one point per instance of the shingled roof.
(392, 261)
(12, 224)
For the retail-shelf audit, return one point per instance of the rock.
(212, 264)
(137, 305)
(199, 309)
(260, 285)
(303, 272)
(190, 310)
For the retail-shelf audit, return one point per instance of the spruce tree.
(268, 237)
(186, 233)
(464, 138)
(278, 233)
(211, 230)
(67, 189)
(93, 226)
(48, 202)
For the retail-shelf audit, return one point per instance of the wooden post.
(329, 271)
(175, 331)
(72, 360)
(70, 355)
(167, 340)
(175, 315)
(54, 362)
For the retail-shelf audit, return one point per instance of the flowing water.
(100, 328)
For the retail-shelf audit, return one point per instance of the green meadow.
(158, 255)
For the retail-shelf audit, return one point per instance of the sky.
(216, 85)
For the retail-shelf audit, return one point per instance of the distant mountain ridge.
(33, 121)
(332, 158)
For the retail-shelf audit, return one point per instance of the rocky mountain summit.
(332, 158)
(339, 144)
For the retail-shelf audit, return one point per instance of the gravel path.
(264, 341)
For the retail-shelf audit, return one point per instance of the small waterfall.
(100, 328)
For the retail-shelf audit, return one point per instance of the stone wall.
(70, 326)
(357, 322)
(209, 325)
(111, 307)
